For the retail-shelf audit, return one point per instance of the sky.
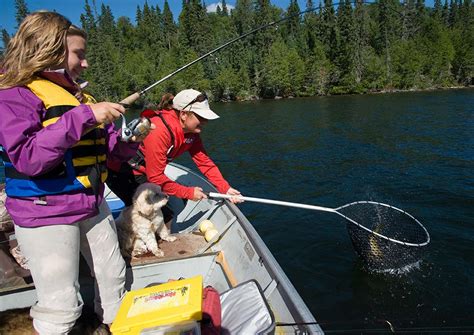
(72, 9)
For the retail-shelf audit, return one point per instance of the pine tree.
(409, 26)
(193, 28)
(310, 27)
(126, 34)
(106, 22)
(138, 15)
(445, 13)
(420, 13)
(5, 38)
(463, 63)
(345, 59)
(329, 34)
(225, 11)
(242, 16)
(261, 40)
(242, 20)
(361, 40)
(437, 10)
(169, 27)
(88, 20)
(294, 22)
(388, 28)
(453, 13)
(21, 11)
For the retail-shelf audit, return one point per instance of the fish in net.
(383, 236)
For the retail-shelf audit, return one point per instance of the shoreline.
(385, 91)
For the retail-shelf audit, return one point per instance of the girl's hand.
(107, 112)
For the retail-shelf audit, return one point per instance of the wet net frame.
(383, 236)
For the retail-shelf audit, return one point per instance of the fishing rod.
(133, 97)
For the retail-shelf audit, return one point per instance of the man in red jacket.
(177, 130)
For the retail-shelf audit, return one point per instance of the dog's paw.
(158, 252)
(169, 238)
(138, 253)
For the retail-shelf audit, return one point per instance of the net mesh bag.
(383, 236)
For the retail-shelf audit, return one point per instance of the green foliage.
(319, 71)
(407, 65)
(350, 48)
(283, 71)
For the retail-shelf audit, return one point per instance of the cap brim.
(202, 109)
(206, 114)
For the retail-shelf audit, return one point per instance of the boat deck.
(186, 245)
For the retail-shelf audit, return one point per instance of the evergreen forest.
(333, 48)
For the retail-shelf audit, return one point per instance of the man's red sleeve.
(156, 144)
(207, 166)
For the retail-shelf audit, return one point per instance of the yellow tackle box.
(172, 303)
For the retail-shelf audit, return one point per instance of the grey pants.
(52, 253)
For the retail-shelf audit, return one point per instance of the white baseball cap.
(194, 101)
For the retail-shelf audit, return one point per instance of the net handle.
(273, 202)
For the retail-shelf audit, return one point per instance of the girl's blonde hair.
(39, 44)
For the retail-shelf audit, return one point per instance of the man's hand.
(235, 193)
(198, 194)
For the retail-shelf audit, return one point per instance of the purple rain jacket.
(34, 149)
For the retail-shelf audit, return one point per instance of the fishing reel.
(137, 127)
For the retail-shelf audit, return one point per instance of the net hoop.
(380, 235)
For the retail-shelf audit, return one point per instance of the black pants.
(125, 183)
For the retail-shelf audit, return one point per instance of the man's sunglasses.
(200, 98)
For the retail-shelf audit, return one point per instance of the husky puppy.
(138, 224)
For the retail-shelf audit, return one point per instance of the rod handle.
(130, 99)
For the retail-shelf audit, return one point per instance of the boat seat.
(246, 311)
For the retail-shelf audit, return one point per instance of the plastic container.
(175, 306)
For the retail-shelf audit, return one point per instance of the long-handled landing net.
(383, 236)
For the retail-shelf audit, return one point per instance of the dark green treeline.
(346, 47)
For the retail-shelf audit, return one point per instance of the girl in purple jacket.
(56, 140)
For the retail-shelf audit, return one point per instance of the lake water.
(414, 151)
